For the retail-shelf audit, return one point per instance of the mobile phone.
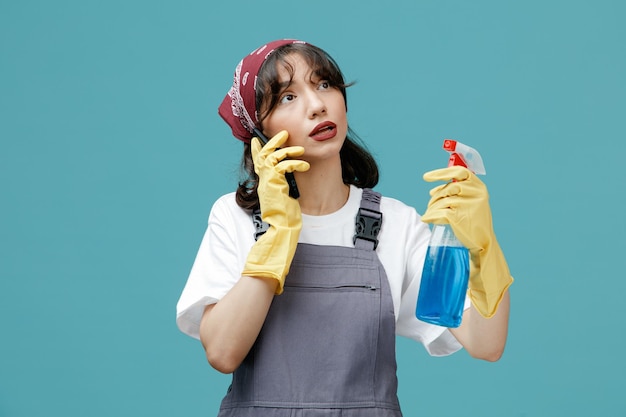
(291, 180)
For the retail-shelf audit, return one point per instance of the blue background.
(112, 153)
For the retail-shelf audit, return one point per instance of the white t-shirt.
(403, 240)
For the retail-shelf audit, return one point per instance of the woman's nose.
(316, 104)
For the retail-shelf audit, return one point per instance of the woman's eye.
(324, 85)
(286, 98)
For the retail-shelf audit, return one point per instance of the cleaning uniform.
(328, 343)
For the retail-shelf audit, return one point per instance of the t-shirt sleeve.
(216, 269)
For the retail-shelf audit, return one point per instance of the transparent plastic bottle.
(444, 279)
(445, 274)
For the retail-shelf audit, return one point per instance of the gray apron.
(327, 347)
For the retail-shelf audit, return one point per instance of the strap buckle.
(260, 227)
(367, 225)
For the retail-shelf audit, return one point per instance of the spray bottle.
(445, 274)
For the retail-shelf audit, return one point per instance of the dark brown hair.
(358, 166)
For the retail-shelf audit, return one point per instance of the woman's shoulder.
(226, 205)
(396, 213)
(395, 206)
(226, 200)
(388, 205)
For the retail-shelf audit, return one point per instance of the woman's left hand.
(463, 202)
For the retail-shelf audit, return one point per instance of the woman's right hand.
(229, 328)
(271, 255)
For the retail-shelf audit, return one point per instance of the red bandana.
(238, 108)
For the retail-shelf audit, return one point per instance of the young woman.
(302, 298)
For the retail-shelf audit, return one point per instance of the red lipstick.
(323, 131)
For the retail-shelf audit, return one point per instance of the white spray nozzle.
(464, 155)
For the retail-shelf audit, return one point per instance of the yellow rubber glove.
(271, 255)
(464, 204)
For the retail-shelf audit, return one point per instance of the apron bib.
(327, 347)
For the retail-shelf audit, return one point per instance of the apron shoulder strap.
(368, 221)
(260, 226)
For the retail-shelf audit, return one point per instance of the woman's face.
(313, 112)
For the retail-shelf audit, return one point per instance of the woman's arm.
(484, 338)
(463, 202)
(229, 328)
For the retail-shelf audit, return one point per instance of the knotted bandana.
(238, 108)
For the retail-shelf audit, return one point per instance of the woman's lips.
(324, 131)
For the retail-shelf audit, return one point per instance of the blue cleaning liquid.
(444, 285)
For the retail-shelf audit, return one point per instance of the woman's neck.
(322, 190)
